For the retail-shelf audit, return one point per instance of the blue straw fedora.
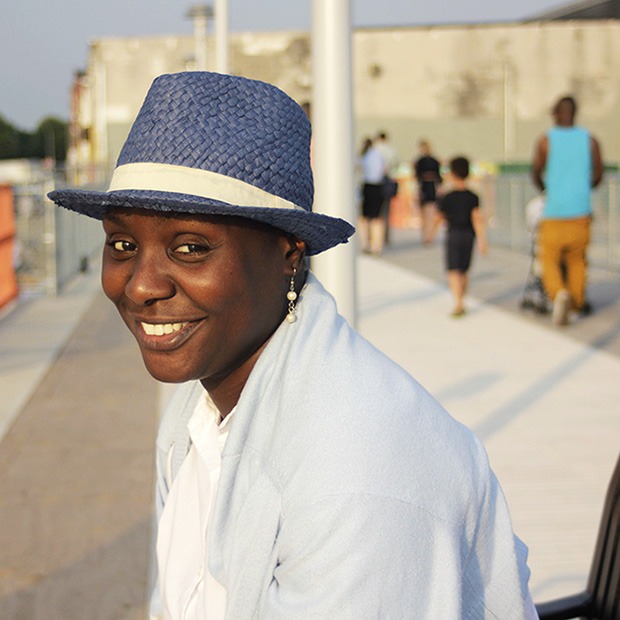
(208, 143)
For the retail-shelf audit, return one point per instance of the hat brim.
(320, 232)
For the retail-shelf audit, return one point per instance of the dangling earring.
(292, 296)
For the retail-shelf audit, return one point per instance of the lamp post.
(332, 118)
(221, 36)
(509, 109)
(200, 15)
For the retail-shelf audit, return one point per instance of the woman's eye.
(122, 246)
(191, 248)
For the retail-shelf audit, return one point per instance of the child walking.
(459, 209)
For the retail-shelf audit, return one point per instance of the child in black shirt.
(460, 210)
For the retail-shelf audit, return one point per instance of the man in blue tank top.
(567, 164)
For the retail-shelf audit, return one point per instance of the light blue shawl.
(346, 491)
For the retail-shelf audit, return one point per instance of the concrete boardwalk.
(78, 413)
(76, 464)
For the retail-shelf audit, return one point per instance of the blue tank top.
(568, 173)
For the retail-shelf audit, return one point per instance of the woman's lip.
(164, 336)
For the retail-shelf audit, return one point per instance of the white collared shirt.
(188, 590)
(373, 167)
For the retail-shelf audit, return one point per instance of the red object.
(8, 232)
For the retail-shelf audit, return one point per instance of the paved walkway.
(76, 463)
(78, 414)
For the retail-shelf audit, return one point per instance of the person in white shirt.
(300, 472)
(390, 185)
(371, 222)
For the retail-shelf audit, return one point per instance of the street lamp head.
(200, 10)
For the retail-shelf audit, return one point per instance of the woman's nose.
(149, 281)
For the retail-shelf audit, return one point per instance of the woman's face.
(201, 294)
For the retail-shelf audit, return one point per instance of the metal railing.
(54, 244)
(507, 195)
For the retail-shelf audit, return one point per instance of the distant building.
(484, 90)
(487, 90)
(108, 94)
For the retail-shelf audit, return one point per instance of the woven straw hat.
(209, 143)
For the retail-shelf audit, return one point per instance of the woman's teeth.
(161, 329)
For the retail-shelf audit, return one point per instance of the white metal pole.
(221, 36)
(332, 119)
(101, 122)
(508, 111)
(200, 41)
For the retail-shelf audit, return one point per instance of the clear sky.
(43, 42)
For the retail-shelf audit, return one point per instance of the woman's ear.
(296, 252)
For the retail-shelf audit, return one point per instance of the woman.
(300, 473)
(371, 224)
(427, 171)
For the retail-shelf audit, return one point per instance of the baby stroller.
(534, 296)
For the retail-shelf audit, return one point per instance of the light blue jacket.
(346, 491)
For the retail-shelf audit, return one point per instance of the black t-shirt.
(457, 207)
(427, 169)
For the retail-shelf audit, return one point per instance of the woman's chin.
(165, 374)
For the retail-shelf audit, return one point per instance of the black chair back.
(601, 600)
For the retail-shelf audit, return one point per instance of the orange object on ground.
(8, 233)
(401, 207)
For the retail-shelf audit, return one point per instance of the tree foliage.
(49, 139)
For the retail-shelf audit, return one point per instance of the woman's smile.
(161, 329)
(164, 336)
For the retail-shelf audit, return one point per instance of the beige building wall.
(484, 91)
(120, 71)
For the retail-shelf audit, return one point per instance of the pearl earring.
(292, 296)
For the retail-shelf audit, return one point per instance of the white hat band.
(195, 182)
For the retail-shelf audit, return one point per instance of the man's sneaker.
(561, 306)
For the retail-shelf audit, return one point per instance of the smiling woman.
(187, 285)
(300, 473)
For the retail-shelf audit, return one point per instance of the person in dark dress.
(426, 170)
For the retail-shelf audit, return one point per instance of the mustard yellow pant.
(562, 246)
